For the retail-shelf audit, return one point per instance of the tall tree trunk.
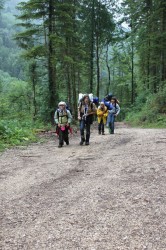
(51, 63)
(108, 69)
(74, 93)
(92, 45)
(163, 42)
(98, 66)
(132, 71)
(97, 51)
(34, 79)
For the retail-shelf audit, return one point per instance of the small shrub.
(15, 132)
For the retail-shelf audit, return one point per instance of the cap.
(62, 103)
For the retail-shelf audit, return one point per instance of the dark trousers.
(84, 126)
(111, 120)
(63, 136)
(101, 126)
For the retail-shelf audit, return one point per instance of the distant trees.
(1, 4)
(68, 42)
(147, 20)
(74, 46)
(10, 60)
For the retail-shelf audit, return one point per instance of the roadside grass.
(146, 119)
(16, 132)
(148, 111)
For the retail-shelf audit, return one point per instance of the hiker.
(63, 119)
(107, 101)
(108, 97)
(102, 113)
(86, 110)
(112, 113)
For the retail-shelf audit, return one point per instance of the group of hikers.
(106, 112)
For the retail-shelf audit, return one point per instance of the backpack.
(57, 128)
(96, 101)
(68, 108)
(81, 96)
(93, 99)
(89, 118)
(108, 97)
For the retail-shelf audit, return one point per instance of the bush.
(15, 132)
(151, 113)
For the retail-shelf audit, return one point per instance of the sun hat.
(62, 104)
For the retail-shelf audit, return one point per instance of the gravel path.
(109, 195)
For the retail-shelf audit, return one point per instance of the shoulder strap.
(80, 106)
(58, 113)
(63, 115)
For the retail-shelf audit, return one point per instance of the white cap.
(62, 103)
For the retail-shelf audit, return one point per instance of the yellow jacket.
(102, 114)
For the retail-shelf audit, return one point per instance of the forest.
(54, 50)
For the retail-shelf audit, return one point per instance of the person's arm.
(69, 117)
(106, 112)
(94, 110)
(117, 109)
(99, 112)
(56, 117)
(79, 112)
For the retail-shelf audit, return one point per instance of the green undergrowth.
(16, 132)
(141, 120)
(149, 111)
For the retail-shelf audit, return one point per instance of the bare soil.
(108, 195)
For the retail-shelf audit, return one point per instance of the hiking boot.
(60, 146)
(86, 143)
(67, 142)
(99, 132)
(103, 133)
(82, 141)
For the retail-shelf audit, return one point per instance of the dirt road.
(109, 195)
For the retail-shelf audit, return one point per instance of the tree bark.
(51, 63)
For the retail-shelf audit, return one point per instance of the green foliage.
(15, 97)
(74, 47)
(150, 112)
(10, 60)
(14, 132)
(1, 4)
(20, 132)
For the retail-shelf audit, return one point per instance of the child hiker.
(102, 113)
(63, 119)
(86, 110)
(112, 113)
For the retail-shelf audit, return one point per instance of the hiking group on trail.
(63, 119)
(86, 110)
(106, 113)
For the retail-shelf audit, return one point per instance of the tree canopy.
(61, 48)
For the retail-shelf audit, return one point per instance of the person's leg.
(99, 128)
(87, 134)
(109, 122)
(112, 119)
(113, 122)
(82, 126)
(66, 136)
(102, 128)
(60, 138)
